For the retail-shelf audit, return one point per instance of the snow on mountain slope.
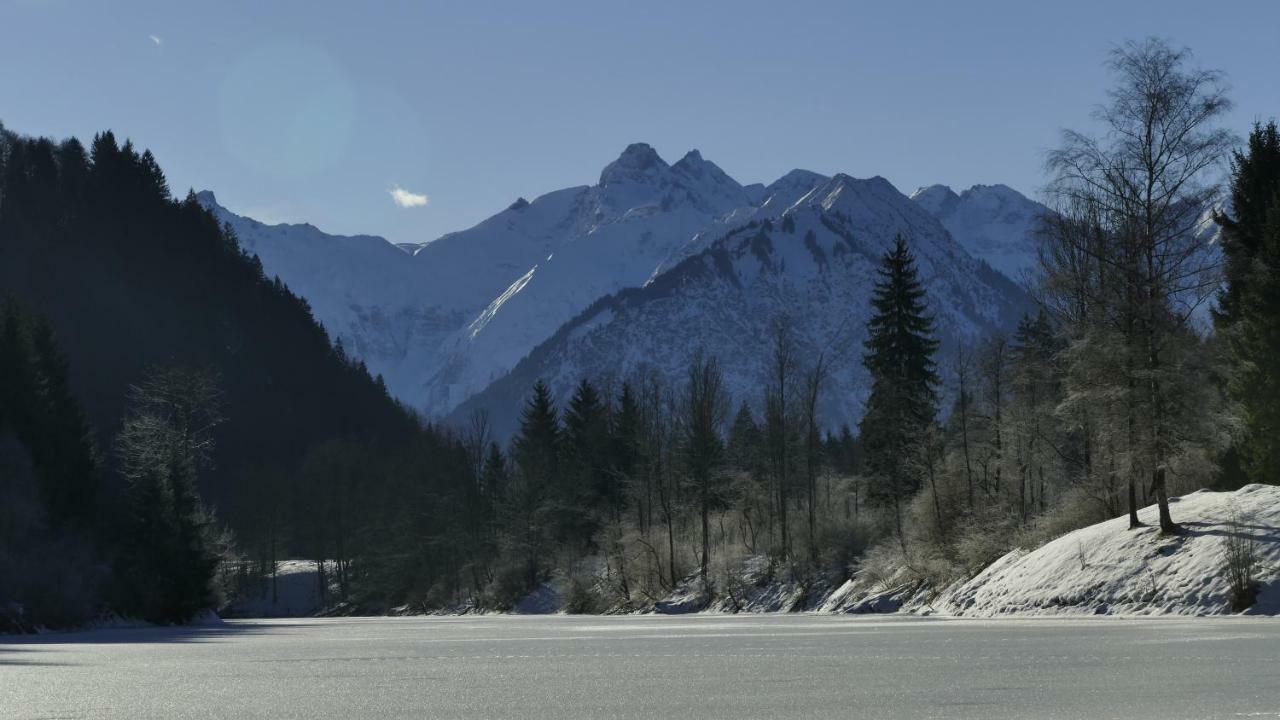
(441, 320)
(642, 216)
(816, 264)
(395, 309)
(995, 223)
(1108, 568)
(365, 291)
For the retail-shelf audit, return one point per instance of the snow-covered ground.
(1108, 569)
(1102, 569)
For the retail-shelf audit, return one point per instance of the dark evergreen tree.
(1250, 304)
(1255, 182)
(1255, 344)
(493, 479)
(585, 485)
(530, 504)
(902, 405)
(53, 538)
(625, 461)
(46, 418)
(535, 449)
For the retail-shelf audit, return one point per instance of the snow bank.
(1109, 569)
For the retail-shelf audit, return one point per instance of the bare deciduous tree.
(1131, 248)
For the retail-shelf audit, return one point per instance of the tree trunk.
(1134, 522)
(933, 489)
(706, 537)
(1167, 525)
(671, 551)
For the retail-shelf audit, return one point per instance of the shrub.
(1240, 553)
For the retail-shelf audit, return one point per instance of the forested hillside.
(140, 308)
(131, 280)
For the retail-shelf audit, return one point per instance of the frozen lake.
(652, 667)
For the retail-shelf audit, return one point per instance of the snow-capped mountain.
(441, 321)
(651, 261)
(995, 223)
(642, 215)
(813, 262)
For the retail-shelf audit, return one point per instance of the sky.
(410, 120)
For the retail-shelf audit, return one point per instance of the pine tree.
(536, 447)
(625, 450)
(1250, 302)
(586, 485)
(1255, 182)
(42, 413)
(529, 504)
(1255, 344)
(902, 405)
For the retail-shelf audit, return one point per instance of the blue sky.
(318, 112)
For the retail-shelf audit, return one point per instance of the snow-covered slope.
(365, 291)
(815, 263)
(995, 223)
(442, 320)
(643, 215)
(1107, 568)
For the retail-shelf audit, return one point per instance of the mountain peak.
(693, 165)
(639, 149)
(937, 200)
(637, 161)
(994, 223)
(206, 198)
(692, 157)
(840, 183)
(799, 176)
(999, 190)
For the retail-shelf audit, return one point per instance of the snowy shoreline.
(1104, 570)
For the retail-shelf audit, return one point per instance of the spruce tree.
(1255, 344)
(1250, 303)
(900, 349)
(1255, 182)
(529, 505)
(585, 486)
(625, 448)
(47, 420)
(535, 448)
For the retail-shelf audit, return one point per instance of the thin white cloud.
(157, 40)
(407, 199)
